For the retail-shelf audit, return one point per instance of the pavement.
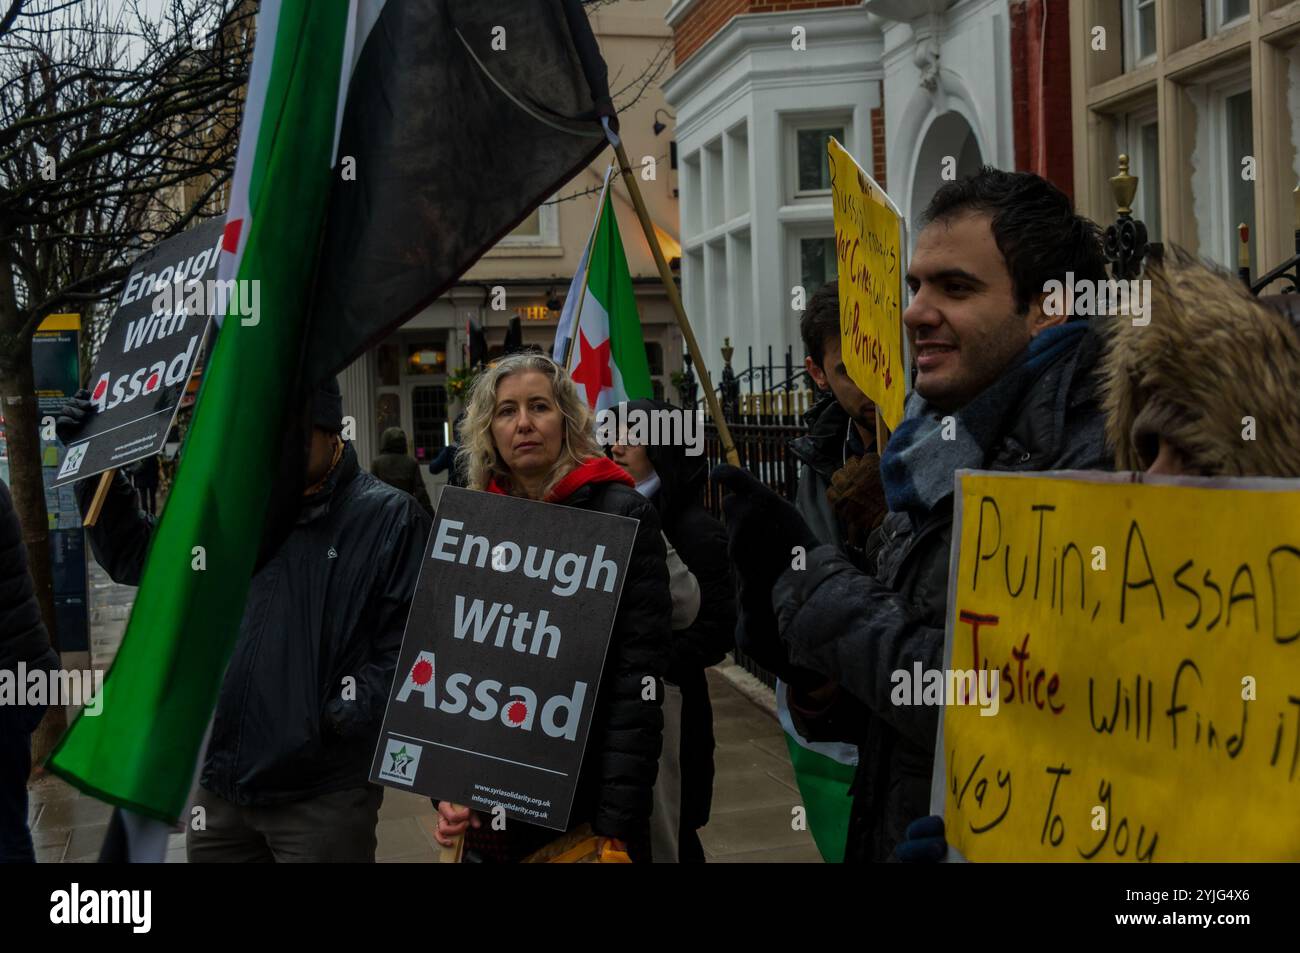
(753, 798)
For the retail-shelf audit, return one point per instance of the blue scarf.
(918, 464)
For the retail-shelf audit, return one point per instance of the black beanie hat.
(327, 407)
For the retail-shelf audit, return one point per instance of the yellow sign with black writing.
(869, 239)
(1122, 670)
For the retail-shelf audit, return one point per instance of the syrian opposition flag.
(823, 771)
(385, 145)
(602, 336)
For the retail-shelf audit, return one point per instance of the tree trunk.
(22, 420)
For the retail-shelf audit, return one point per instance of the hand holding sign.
(502, 658)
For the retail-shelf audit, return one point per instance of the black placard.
(146, 359)
(500, 664)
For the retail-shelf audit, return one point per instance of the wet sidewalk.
(753, 800)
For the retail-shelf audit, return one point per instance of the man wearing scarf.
(1001, 383)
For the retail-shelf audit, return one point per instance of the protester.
(528, 434)
(445, 460)
(23, 640)
(286, 775)
(675, 483)
(1176, 395)
(1174, 399)
(1001, 384)
(833, 476)
(841, 498)
(396, 467)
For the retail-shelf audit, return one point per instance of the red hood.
(595, 470)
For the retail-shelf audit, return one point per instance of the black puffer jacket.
(701, 542)
(331, 603)
(615, 787)
(858, 629)
(22, 633)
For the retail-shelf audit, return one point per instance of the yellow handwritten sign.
(868, 243)
(1147, 643)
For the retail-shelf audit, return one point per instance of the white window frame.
(1130, 130)
(1132, 50)
(794, 234)
(1218, 236)
(548, 231)
(793, 126)
(1214, 22)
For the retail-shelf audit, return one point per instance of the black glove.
(762, 530)
(73, 416)
(923, 841)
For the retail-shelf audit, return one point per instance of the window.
(813, 167)
(1224, 14)
(1149, 186)
(1138, 136)
(428, 416)
(654, 356)
(1139, 32)
(1240, 192)
(426, 357)
(1224, 140)
(816, 263)
(541, 228)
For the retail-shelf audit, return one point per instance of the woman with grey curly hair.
(528, 433)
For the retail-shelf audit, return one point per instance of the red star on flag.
(593, 371)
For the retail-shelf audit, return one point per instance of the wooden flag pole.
(101, 494)
(675, 299)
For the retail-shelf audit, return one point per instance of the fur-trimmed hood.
(1211, 356)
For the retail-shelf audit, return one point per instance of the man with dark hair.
(841, 425)
(286, 775)
(1001, 384)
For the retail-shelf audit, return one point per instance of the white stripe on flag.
(259, 77)
(362, 16)
(578, 287)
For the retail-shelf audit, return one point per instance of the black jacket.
(622, 761)
(396, 468)
(329, 607)
(858, 629)
(701, 542)
(22, 633)
(829, 443)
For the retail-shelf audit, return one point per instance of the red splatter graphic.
(421, 672)
(151, 384)
(100, 388)
(517, 712)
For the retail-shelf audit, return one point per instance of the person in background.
(23, 639)
(839, 494)
(527, 433)
(396, 467)
(675, 484)
(286, 777)
(445, 460)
